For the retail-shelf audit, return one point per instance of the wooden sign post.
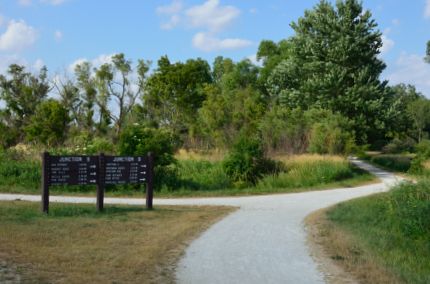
(98, 170)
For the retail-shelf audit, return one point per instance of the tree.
(114, 81)
(334, 64)
(427, 58)
(22, 92)
(419, 111)
(87, 97)
(175, 92)
(49, 123)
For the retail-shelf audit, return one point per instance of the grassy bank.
(75, 244)
(386, 236)
(197, 175)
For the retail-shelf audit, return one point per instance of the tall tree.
(88, 92)
(334, 64)
(114, 82)
(175, 92)
(22, 92)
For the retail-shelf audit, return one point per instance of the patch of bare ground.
(126, 245)
(339, 256)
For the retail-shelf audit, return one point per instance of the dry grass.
(339, 256)
(212, 156)
(308, 158)
(75, 245)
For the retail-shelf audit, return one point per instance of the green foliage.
(308, 174)
(49, 123)
(174, 93)
(140, 140)
(334, 64)
(330, 135)
(398, 163)
(422, 150)
(393, 227)
(226, 113)
(397, 146)
(22, 92)
(419, 111)
(246, 161)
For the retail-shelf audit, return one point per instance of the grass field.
(75, 244)
(383, 238)
(200, 175)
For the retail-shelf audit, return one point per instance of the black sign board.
(122, 170)
(98, 170)
(73, 170)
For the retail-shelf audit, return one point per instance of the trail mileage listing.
(122, 170)
(73, 170)
(86, 170)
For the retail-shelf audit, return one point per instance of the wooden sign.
(123, 170)
(73, 170)
(96, 170)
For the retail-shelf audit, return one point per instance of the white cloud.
(210, 15)
(96, 62)
(1, 20)
(207, 42)
(58, 35)
(411, 69)
(387, 44)
(38, 64)
(173, 8)
(17, 36)
(25, 2)
(253, 11)
(6, 60)
(53, 2)
(395, 22)
(254, 60)
(173, 22)
(427, 9)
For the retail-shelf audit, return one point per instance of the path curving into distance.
(262, 242)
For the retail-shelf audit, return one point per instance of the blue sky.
(59, 33)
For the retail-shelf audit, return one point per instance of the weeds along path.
(262, 242)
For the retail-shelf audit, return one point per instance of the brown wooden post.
(45, 182)
(150, 181)
(101, 183)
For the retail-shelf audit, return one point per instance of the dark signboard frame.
(98, 170)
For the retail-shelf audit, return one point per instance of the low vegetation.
(75, 244)
(203, 175)
(389, 232)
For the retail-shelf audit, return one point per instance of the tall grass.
(307, 173)
(197, 174)
(394, 228)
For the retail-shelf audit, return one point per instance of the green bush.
(140, 140)
(398, 163)
(309, 174)
(246, 161)
(397, 146)
(422, 150)
(329, 133)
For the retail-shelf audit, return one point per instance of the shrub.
(49, 123)
(329, 133)
(400, 163)
(139, 140)
(423, 153)
(246, 161)
(397, 146)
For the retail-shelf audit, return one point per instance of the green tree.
(49, 123)
(427, 58)
(22, 92)
(175, 92)
(87, 96)
(114, 82)
(419, 111)
(334, 64)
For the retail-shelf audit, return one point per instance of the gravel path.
(262, 242)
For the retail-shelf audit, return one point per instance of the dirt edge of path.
(338, 256)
